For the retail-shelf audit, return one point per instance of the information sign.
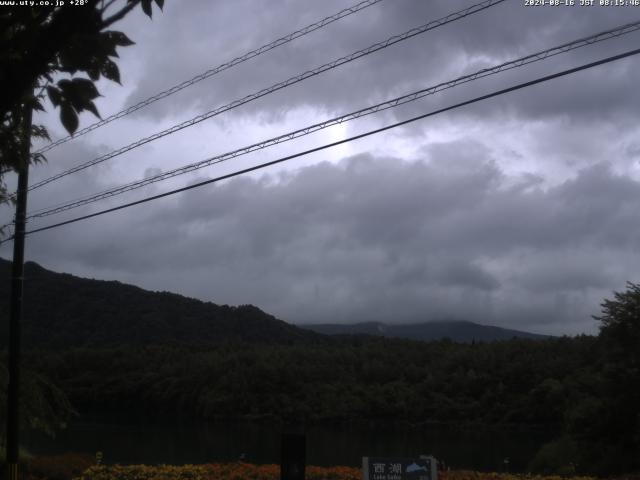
(388, 468)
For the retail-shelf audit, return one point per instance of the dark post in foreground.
(293, 456)
(17, 272)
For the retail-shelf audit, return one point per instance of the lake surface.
(182, 442)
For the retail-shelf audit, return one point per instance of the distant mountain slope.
(459, 331)
(62, 310)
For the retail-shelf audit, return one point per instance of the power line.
(350, 139)
(535, 57)
(278, 86)
(213, 71)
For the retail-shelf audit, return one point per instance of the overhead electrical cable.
(340, 142)
(511, 64)
(213, 71)
(278, 86)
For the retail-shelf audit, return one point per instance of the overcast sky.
(521, 212)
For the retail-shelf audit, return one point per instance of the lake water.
(181, 442)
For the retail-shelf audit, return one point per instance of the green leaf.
(64, 84)
(72, 57)
(94, 72)
(40, 131)
(76, 96)
(37, 106)
(54, 95)
(68, 117)
(79, 92)
(119, 38)
(107, 45)
(110, 70)
(146, 7)
(92, 108)
(85, 87)
(38, 158)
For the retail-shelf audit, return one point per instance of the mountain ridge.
(62, 310)
(456, 330)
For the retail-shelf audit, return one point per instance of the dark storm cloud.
(212, 35)
(563, 273)
(521, 211)
(381, 239)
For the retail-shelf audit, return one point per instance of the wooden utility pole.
(15, 317)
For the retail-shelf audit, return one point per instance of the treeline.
(571, 386)
(585, 389)
(515, 382)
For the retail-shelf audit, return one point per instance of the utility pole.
(15, 318)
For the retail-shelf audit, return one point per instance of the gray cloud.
(451, 50)
(519, 211)
(379, 239)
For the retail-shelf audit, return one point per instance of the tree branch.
(120, 15)
(104, 7)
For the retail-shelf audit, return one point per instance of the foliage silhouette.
(43, 49)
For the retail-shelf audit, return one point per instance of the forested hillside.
(62, 311)
(162, 354)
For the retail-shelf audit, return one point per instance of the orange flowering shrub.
(144, 472)
(333, 473)
(249, 471)
(241, 471)
(471, 475)
(216, 471)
